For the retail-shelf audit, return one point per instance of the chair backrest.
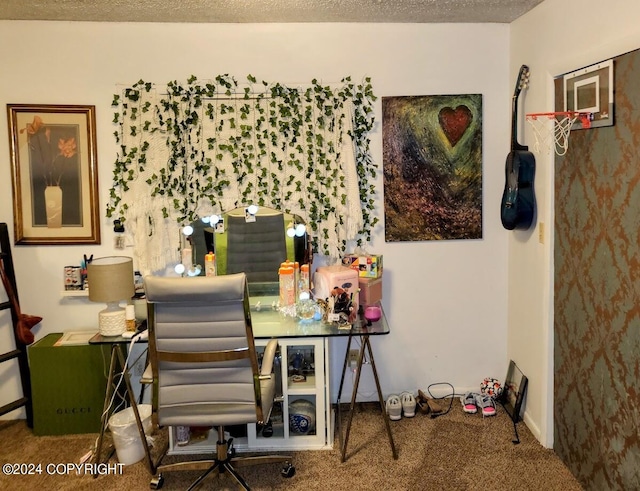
(257, 248)
(202, 351)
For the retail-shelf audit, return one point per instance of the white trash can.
(126, 437)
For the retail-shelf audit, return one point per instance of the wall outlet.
(353, 358)
(118, 241)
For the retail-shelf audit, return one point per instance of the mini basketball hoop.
(557, 133)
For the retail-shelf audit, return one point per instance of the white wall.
(556, 37)
(445, 300)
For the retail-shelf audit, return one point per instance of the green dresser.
(68, 386)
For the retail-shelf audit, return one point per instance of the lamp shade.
(110, 279)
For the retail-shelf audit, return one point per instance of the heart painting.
(454, 122)
(432, 159)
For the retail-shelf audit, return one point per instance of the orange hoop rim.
(585, 117)
(546, 135)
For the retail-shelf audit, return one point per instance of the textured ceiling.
(415, 11)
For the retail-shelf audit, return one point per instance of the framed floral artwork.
(54, 174)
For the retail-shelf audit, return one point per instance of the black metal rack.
(20, 352)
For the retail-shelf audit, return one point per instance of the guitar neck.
(523, 81)
(514, 126)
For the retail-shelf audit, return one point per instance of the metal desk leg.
(354, 393)
(344, 371)
(134, 406)
(366, 344)
(383, 408)
(118, 358)
(143, 386)
(104, 418)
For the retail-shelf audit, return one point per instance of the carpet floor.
(456, 451)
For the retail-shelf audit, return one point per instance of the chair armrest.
(268, 356)
(147, 375)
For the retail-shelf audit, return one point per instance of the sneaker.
(394, 408)
(408, 404)
(469, 402)
(486, 404)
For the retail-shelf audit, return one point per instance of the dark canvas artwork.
(432, 159)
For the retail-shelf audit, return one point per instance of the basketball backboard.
(590, 89)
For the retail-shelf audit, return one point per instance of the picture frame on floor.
(515, 387)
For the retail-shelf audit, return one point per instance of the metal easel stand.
(366, 344)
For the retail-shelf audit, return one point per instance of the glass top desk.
(268, 323)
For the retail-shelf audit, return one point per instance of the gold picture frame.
(54, 174)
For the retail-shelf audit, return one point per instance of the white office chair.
(205, 367)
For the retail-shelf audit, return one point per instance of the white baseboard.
(533, 428)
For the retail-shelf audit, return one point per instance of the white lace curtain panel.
(193, 150)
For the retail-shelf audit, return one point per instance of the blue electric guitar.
(518, 199)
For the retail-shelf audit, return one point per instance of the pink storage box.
(370, 290)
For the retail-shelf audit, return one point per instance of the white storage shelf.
(306, 387)
(201, 446)
(314, 388)
(74, 293)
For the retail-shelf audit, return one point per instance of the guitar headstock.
(523, 80)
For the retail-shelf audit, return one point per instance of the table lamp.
(111, 281)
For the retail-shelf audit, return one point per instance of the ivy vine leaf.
(279, 134)
(132, 94)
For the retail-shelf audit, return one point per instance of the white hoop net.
(551, 130)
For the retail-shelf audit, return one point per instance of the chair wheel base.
(288, 470)
(157, 482)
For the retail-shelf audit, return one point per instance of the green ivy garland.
(208, 147)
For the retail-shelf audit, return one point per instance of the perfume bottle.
(287, 286)
(130, 317)
(210, 264)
